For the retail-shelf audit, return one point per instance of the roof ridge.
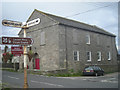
(45, 14)
(63, 17)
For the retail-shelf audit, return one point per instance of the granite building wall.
(55, 44)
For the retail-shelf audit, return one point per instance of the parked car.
(93, 70)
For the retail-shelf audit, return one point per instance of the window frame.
(109, 56)
(87, 39)
(90, 58)
(78, 58)
(99, 54)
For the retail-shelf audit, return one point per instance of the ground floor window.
(109, 55)
(88, 56)
(76, 55)
(99, 56)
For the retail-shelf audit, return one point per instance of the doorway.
(36, 63)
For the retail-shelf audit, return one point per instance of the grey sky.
(106, 18)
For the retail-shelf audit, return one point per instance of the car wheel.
(96, 74)
(102, 74)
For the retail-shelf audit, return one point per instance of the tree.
(30, 54)
(6, 55)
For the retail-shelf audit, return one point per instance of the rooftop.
(77, 24)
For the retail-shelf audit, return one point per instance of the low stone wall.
(109, 68)
(7, 65)
(10, 65)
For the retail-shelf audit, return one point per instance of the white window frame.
(87, 39)
(109, 56)
(78, 59)
(99, 55)
(89, 60)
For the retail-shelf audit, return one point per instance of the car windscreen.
(96, 68)
(88, 68)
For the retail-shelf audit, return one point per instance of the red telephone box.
(37, 65)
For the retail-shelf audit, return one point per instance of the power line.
(89, 10)
(110, 25)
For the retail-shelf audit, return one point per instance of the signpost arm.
(25, 62)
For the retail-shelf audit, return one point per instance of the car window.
(96, 68)
(88, 68)
(99, 68)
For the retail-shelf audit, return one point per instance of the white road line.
(48, 83)
(77, 78)
(13, 77)
(109, 81)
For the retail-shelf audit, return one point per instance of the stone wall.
(73, 39)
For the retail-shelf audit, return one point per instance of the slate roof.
(77, 24)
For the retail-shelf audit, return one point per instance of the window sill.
(99, 60)
(88, 43)
(88, 60)
(42, 44)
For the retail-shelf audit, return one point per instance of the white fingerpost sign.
(12, 23)
(33, 22)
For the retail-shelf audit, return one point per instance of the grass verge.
(9, 69)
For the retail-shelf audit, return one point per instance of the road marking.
(77, 78)
(48, 83)
(112, 78)
(109, 81)
(13, 77)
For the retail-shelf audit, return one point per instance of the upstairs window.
(87, 39)
(42, 37)
(76, 55)
(75, 37)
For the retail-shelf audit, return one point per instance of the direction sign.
(17, 50)
(12, 23)
(33, 22)
(17, 41)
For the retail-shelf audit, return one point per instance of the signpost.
(16, 41)
(21, 41)
(12, 23)
(17, 50)
(33, 22)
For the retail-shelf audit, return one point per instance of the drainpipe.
(66, 49)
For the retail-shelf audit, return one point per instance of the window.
(88, 56)
(75, 37)
(99, 56)
(109, 56)
(76, 55)
(87, 39)
(42, 36)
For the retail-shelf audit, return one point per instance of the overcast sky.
(101, 14)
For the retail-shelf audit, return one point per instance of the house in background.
(61, 43)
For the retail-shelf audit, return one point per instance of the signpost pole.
(25, 61)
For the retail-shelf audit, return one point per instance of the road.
(38, 81)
